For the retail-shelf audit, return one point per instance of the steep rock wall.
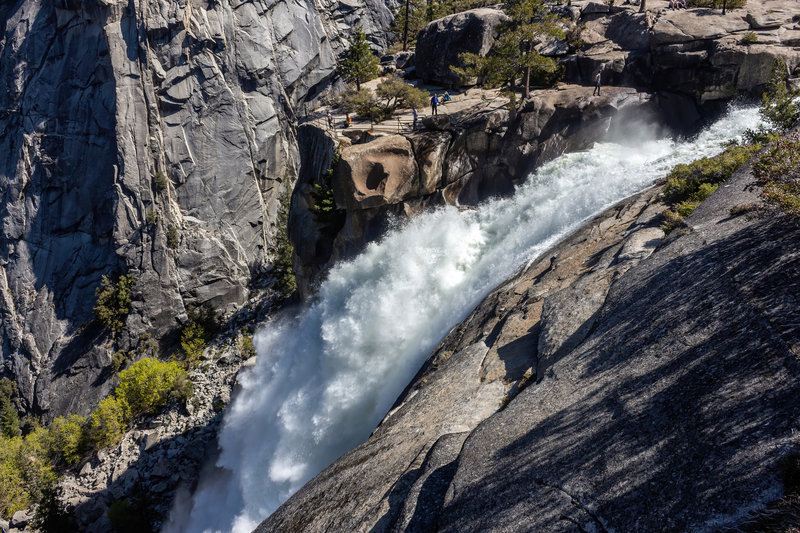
(103, 96)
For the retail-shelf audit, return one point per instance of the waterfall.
(325, 378)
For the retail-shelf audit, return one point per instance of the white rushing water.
(324, 379)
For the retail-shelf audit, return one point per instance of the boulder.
(377, 173)
(436, 122)
(763, 22)
(430, 150)
(594, 8)
(441, 41)
(20, 519)
(4, 526)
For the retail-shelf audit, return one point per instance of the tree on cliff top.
(513, 54)
(780, 103)
(360, 64)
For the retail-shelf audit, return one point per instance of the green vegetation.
(147, 385)
(9, 418)
(25, 471)
(362, 102)
(113, 302)
(513, 55)
(324, 210)
(246, 348)
(152, 218)
(360, 64)
(779, 103)
(66, 440)
(107, 423)
(119, 360)
(750, 38)
(777, 170)
(285, 282)
(395, 94)
(29, 465)
(391, 94)
(172, 237)
(160, 181)
(688, 185)
(193, 342)
(203, 323)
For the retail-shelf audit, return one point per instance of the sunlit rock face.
(152, 138)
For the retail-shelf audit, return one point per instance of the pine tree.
(513, 54)
(360, 64)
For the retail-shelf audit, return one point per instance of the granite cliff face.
(152, 138)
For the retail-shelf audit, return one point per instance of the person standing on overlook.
(434, 105)
(597, 83)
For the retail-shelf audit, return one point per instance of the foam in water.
(325, 378)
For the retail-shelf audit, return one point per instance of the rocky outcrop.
(149, 138)
(694, 57)
(440, 42)
(695, 53)
(651, 385)
(484, 151)
(160, 456)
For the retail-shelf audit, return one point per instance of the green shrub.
(246, 348)
(689, 185)
(9, 418)
(684, 181)
(160, 181)
(324, 210)
(119, 360)
(777, 170)
(779, 103)
(362, 102)
(750, 38)
(113, 301)
(146, 385)
(285, 282)
(193, 342)
(152, 217)
(396, 93)
(203, 324)
(25, 471)
(67, 440)
(13, 496)
(172, 237)
(107, 423)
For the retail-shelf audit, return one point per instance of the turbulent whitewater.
(325, 378)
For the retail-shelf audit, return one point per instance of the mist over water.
(325, 378)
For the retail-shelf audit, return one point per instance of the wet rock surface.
(651, 385)
(413, 454)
